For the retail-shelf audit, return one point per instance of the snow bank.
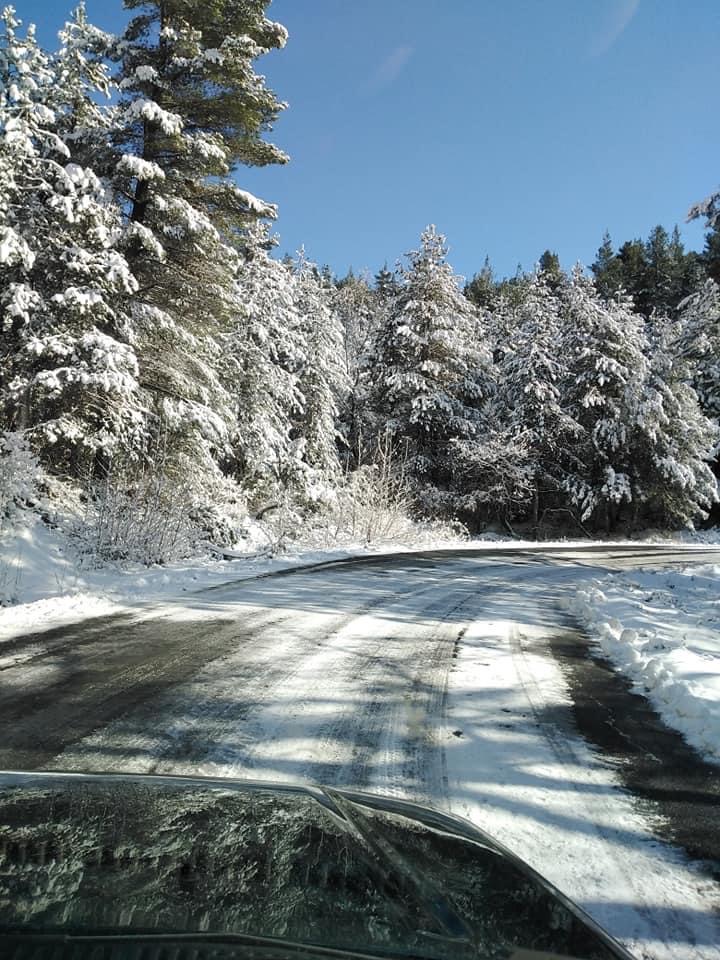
(712, 535)
(42, 615)
(662, 629)
(709, 536)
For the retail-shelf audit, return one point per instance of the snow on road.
(662, 629)
(429, 680)
(555, 804)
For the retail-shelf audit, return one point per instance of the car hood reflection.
(161, 857)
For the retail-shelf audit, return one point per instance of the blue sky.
(514, 125)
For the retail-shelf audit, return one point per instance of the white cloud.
(390, 68)
(618, 20)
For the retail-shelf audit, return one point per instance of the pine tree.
(386, 284)
(710, 257)
(686, 271)
(672, 440)
(698, 345)
(192, 109)
(429, 367)
(607, 270)
(707, 209)
(482, 290)
(532, 372)
(656, 273)
(549, 265)
(85, 120)
(660, 273)
(605, 345)
(321, 375)
(69, 370)
(634, 273)
(647, 439)
(358, 308)
(512, 289)
(262, 352)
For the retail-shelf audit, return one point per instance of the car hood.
(195, 867)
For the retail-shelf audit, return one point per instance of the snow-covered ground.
(662, 629)
(45, 582)
(659, 627)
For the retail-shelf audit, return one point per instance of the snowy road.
(425, 676)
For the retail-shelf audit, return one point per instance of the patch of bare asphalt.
(677, 790)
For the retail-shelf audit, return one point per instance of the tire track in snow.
(562, 747)
(306, 733)
(556, 805)
(208, 724)
(398, 732)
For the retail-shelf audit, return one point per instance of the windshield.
(163, 858)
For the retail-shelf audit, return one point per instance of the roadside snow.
(662, 629)
(46, 583)
(50, 613)
(710, 536)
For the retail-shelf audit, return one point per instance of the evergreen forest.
(159, 359)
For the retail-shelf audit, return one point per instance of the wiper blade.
(180, 946)
(451, 926)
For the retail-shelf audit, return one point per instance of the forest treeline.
(157, 356)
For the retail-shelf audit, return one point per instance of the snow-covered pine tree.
(649, 440)
(429, 370)
(532, 372)
(263, 353)
(81, 65)
(672, 439)
(321, 375)
(708, 209)
(69, 371)
(698, 344)
(358, 309)
(606, 348)
(192, 109)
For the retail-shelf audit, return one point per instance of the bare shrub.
(376, 504)
(157, 511)
(142, 518)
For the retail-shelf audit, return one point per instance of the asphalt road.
(62, 685)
